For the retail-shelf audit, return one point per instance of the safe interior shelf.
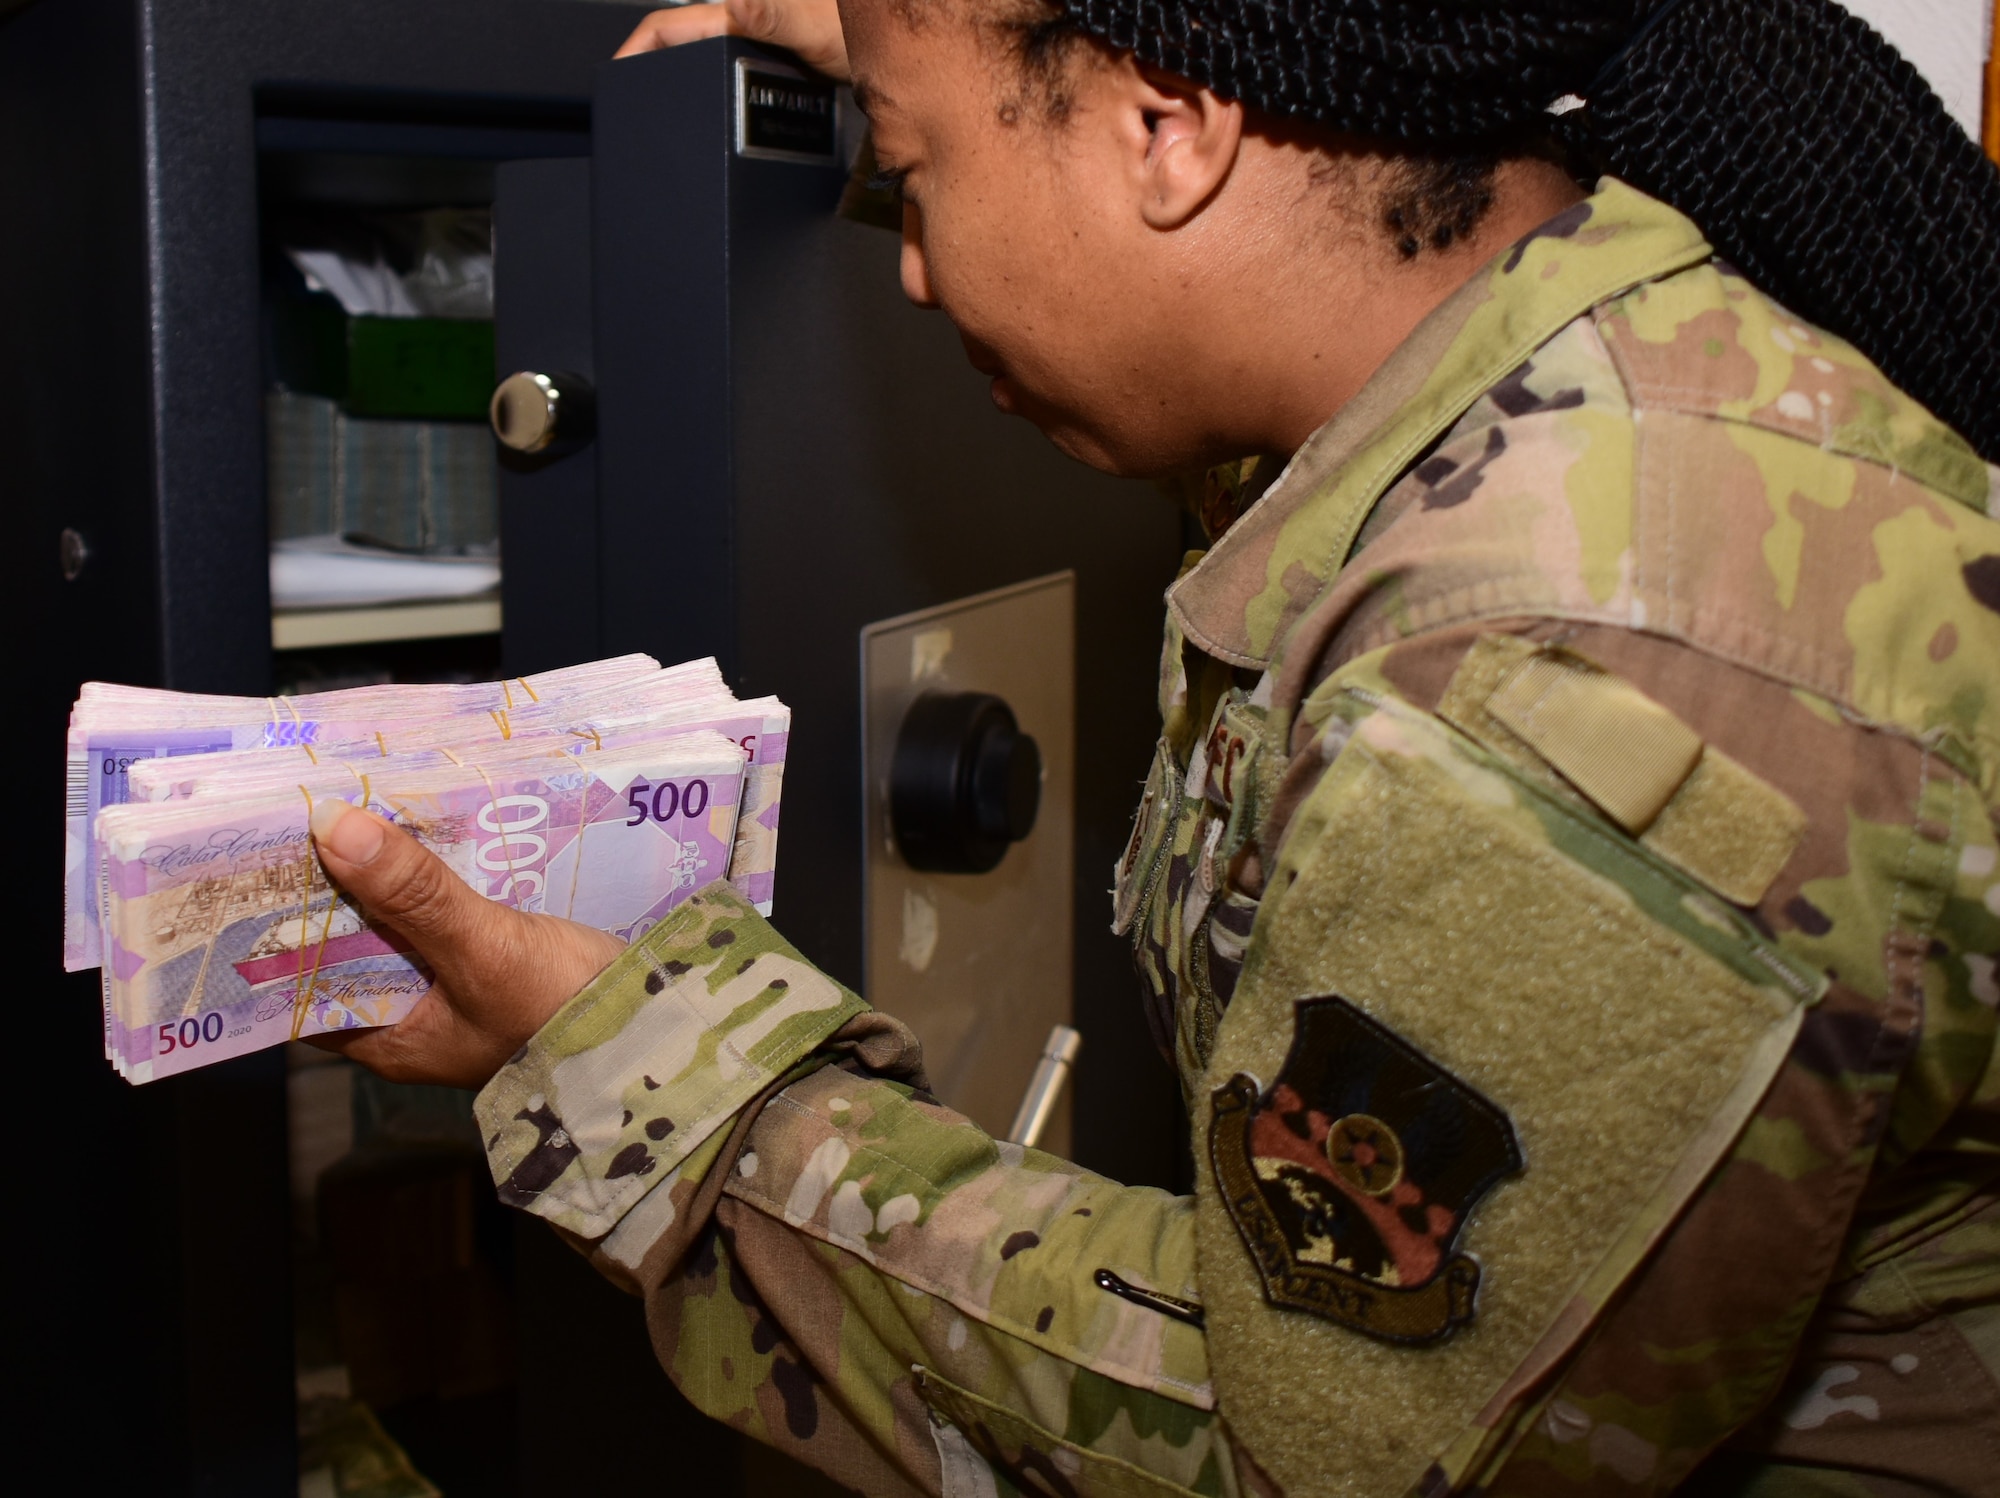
(305, 629)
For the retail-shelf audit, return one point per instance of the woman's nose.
(916, 274)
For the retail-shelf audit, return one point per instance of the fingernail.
(351, 836)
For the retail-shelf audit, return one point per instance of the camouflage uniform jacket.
(1567, 886)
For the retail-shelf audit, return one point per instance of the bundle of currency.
(583, 723)
(112, 728)
(607, 795)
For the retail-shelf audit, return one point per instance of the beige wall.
(1946, 40)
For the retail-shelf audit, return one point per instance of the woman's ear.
(1183, 143)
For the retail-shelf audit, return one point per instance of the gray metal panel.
(979, 965)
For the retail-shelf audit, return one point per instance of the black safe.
(782, 450)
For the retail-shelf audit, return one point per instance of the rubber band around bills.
(308, 858)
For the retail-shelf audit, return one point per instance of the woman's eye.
(888, 179)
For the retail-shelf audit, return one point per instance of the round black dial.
(965, 783)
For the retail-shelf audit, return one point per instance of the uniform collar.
(1268, 567)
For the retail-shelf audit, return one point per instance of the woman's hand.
(811, 28)
(497, 973)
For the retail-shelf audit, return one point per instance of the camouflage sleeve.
(833, 1262)
(911, 1306)
(623, 1087)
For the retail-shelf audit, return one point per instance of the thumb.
(398, 881)
(761, 20)
(811, 28)
(675, 27)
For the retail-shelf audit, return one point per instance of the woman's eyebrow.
(871, 98)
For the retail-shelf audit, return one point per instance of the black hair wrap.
(1811, 153)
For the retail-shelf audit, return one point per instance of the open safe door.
(733, 436)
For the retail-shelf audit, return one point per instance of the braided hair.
(1811, 153)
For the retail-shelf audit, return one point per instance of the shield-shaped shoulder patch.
(1351, 1178)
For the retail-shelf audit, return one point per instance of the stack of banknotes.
(605, 793)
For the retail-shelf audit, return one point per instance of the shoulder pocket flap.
(1546, 710)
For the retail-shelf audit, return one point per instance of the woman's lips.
(1000, 389)
(979, 356)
